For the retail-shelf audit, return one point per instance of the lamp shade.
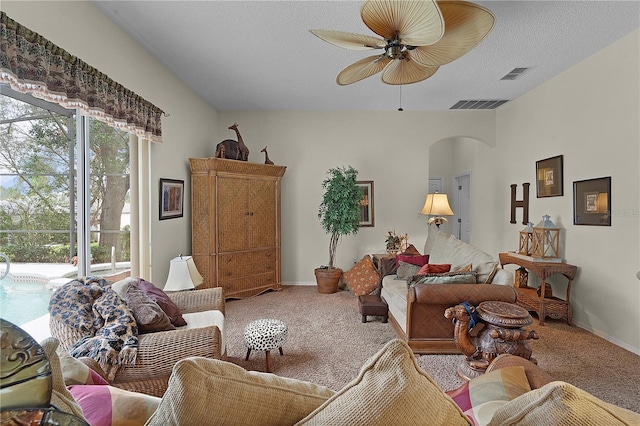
(183, 274)
(437, 204)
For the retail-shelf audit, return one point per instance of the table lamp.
(437, 205)
(183, 274)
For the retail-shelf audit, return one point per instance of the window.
(64, 200)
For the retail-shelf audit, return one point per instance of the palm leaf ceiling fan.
(418, 36)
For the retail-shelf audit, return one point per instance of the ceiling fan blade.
(349, 40)
(362, 69)
(406, 72)
(417, 23)
(466, 25)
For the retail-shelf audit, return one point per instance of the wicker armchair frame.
(158, 352)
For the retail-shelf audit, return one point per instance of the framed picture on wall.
(171, 198)
(592, 202)
(549, 179)
(366, 202)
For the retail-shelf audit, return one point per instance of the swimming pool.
(20, 307)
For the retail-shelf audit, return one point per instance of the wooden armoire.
(235, 225)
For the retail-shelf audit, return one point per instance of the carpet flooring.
(327, 344)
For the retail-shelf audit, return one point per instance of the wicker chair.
(158, 352)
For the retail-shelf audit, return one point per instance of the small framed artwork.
(592, 202)
(366, 202)
(549, 180)
(171, 198)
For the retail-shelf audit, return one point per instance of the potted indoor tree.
(339, 214)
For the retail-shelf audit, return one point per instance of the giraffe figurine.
(266, 156)
(243, 151)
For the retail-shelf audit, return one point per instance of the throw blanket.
(109, 330)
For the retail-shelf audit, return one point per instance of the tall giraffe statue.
(266, 156)
(243, 151)
(233, 150)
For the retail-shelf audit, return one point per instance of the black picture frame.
(366, 203)
(549, 178)
(592, 202)
(171, 198)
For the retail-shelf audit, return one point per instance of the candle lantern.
(546, 240)
(526, 240)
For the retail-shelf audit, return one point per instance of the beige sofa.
(390, 389)
(417, 313)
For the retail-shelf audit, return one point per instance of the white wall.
(188, 130)
(590, 115)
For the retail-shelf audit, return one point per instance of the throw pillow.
(161, 298)
(75, 372)
(431, 268)
(446, 278)
(411, 250)
(148, 314)
(418, 260)
(363, 277)
(480, 397)
(120, 286)
(561, 403)
(467, 268)
(60, 396)
(108, 405)
(206, 391)
(390, 389)
(406, 270)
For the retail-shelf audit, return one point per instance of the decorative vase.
(328, 279)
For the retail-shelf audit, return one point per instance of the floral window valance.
(29, 63)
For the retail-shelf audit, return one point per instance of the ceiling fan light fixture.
(415, 39)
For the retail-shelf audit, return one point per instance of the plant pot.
(328, 279)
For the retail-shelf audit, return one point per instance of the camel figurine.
(233, 150)
(266, 156)
(491, 341)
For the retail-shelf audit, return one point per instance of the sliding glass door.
(64, 201)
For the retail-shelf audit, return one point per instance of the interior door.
(463, 208)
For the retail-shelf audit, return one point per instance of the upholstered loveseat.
(416, 310)
(158, 351)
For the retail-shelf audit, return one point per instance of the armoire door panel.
(234, 214)
(262, 222)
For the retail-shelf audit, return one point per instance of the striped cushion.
(107, 405)
(480, 397)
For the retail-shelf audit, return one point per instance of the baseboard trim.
(606, 337)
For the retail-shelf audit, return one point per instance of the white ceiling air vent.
(479, 104)
(515, 73)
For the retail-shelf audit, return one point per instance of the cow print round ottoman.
(265, 335)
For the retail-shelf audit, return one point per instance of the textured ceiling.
(259, 55)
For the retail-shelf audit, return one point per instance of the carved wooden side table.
(502, 333)
(544, 303)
